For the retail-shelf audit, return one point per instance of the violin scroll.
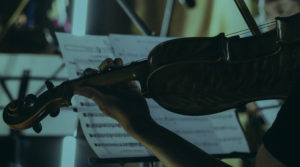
(28, 112)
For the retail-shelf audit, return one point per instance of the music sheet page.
(216, 134)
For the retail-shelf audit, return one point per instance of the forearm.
(265, 159)
(171, 149)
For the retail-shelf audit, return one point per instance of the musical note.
(100, 125)
(110, 135)
(118, 144)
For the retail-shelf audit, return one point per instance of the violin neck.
(134, 71)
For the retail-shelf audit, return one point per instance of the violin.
(190, 76)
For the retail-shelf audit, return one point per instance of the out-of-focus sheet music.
(133, 47)
(216, 134)
(269, 110)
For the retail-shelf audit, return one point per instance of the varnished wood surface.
(197, 76)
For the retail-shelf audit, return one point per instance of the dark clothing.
(283, 138)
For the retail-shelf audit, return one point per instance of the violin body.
(198, 76)
(193, 76)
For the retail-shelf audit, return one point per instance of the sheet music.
(132, 47)
(215, 134)
(269, 110)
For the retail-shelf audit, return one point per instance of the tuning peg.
(37, 127)
(29, 100)
(49, 85)
(54, 113)
(12, 107)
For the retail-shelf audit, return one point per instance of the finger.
(89, 71)
(133, 86)
(118, 62)
(107, 63)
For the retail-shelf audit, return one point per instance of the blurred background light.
(68, 152)
(79, 17)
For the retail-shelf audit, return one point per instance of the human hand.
(122, 101)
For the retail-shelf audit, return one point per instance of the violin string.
(249, 31)
(242, 32)
(262, 26)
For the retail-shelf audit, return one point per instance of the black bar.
(24, 85)
(51, 78)
(134, 17)
(247, 17)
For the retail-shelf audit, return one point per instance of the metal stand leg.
(16, 134)
(3, 84)
(247, 17)
(51, 78)
(134, 17)
(24, 85)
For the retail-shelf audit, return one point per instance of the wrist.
(139, 127)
